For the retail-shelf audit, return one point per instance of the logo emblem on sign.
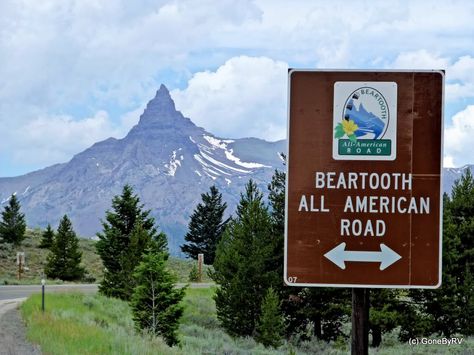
(365, 121)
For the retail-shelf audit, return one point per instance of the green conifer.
(64, 260)
(271, 327)
(127, 231)
(325, 308)
(47, 238)
(450, 309)
(206, 227)
(156, 300)
(12, 225)
(244, 267)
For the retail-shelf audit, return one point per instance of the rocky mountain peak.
(160, 113)
(162, 100)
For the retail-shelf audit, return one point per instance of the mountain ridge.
(167, 159)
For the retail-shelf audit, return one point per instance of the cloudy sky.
(76, 72)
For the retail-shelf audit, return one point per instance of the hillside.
(36, 259)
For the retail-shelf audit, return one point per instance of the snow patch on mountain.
(216, 143)
(230, 156)
(229, 153)
(222, 165)
(173, 165)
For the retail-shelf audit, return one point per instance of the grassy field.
(36, 260)
(92, 324)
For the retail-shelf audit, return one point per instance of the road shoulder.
(13, 330)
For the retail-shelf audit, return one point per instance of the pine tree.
(271, 327)
(64, 260)
(206, 227)
(127, 232)
(47, 238)
(450, 309)
(13, 225)
(325, 308)
(244, 267)
(385, 313)
(155, 300)
(276, 197)
(194, 274)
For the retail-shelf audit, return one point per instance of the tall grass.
(93, 324)
(201, 333)
(86, 324)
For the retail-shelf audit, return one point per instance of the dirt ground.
(12, 330)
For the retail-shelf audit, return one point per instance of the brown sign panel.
(363, 190)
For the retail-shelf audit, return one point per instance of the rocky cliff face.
(166, 158)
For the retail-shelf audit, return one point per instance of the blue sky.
(76, 72)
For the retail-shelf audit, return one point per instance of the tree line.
(246, 252)
(133, 253)
(252, 300)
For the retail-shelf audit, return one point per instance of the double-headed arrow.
(385, 256)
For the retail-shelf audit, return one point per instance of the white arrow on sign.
(385, 256)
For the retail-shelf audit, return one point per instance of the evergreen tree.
(206, 227)
(47, 238)
(194, 274)
(450, 309)
(13, 225)
(64, 260)
(325, 308)
(385, 313)
(127, 232)
(155, 300)
(244, 267)
(271, 327)
(276, 197)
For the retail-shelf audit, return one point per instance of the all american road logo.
(365, 120)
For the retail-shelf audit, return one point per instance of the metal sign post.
(43, 282)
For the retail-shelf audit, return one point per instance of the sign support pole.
(360, 321)
(200, 262)
(19, 269)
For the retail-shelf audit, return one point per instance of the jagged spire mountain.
(160, 116)
(166, 158)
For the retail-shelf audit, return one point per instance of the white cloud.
(244, 97)
(421, 59)
(458, 139)
(55, 52)
(66, 57)
(48, 140)
(459, 71)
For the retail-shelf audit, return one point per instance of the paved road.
(20, 291)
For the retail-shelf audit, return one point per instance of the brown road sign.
(364, 179)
